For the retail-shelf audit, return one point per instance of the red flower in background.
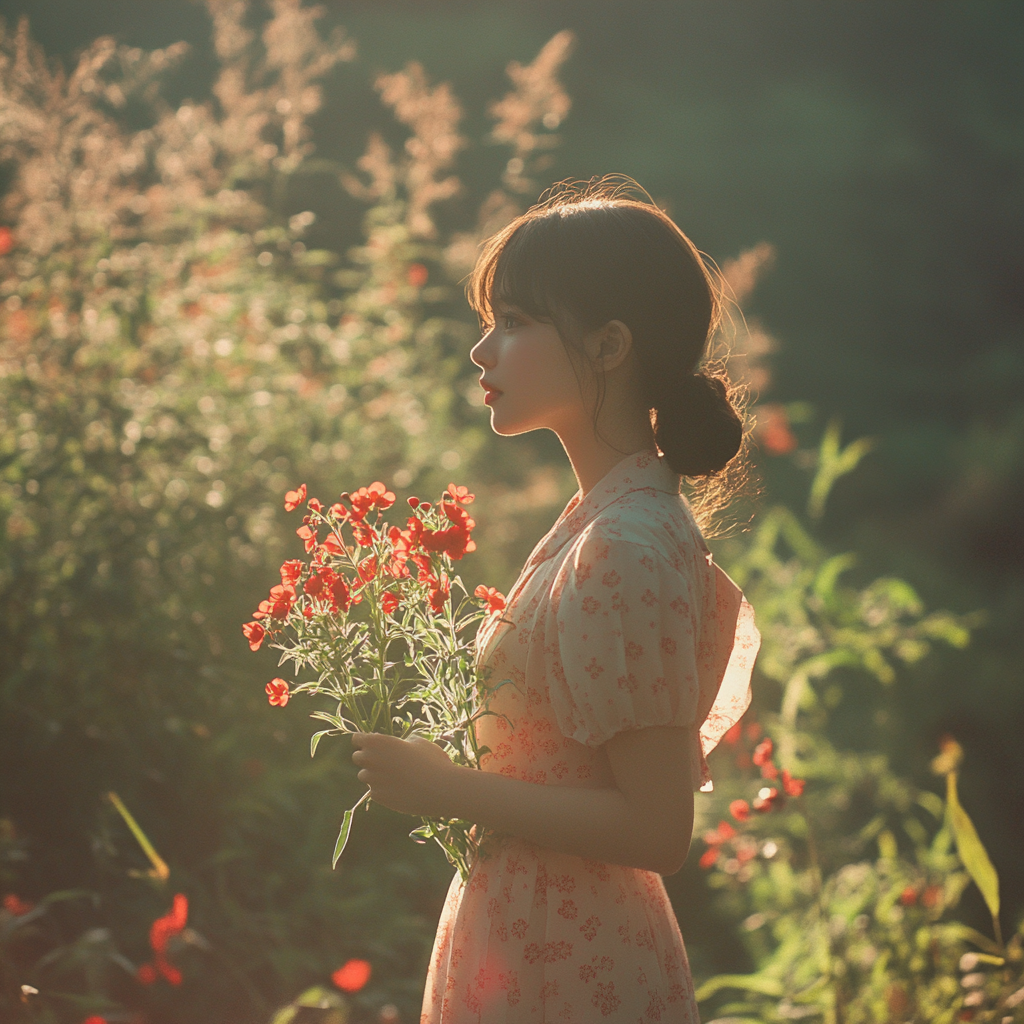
(732, 737)
(6, 241)
(162, 931)
(16, 906)
(254, 633)
(352, 975)
(277, 692)
(95, 1020)
(740, 810)
(417, 275)
(909, 896)
(293, 499)
(791, 786)
(773, 431)
(763, 753)
(389, 601)
(715, 838)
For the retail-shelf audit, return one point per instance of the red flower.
(769, 771)
(281, 599)
(909, 896)
(732, 737)
(454, 541)
(715, 838)
(277, 692)
(15, 905)
(161, 932)
(291, 571)
(308, 536)
(460, 493)
(740, 810)
(931, 896)
(389, 601)
(364, 534)
(753, 730)
(422, 563)
(413, 501)
(417, 275)
(342, 597)
(791, 786)
(315, 504)
(293, 499)
(438, 594)
(494, 598)
(709, 857)
(367, 498)
(6, 241)
(352, 975)
(254, 633)
(763, 752)
(332, 545)
(773, 430)
(95, 1020)
(367, 568)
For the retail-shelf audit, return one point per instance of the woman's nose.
(482, 353)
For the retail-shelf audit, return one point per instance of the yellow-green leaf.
(972, 851)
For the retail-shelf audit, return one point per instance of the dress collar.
(642, 471)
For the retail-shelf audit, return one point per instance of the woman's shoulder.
(650, 519)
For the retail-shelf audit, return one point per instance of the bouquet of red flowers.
(386, 643)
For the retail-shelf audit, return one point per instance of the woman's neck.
(592, 457)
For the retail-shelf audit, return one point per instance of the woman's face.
(527, 374)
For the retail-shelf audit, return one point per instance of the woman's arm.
(645, 821)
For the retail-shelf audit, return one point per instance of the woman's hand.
(409, 776)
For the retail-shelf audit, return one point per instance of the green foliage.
(842, 880)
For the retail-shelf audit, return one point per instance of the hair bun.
(697, 427)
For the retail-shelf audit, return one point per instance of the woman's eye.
(508, 321)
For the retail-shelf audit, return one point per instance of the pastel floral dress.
(619, 620)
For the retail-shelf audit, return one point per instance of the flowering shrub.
(406, 666)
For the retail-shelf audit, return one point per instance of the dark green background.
(878, 147)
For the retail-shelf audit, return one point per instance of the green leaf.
(972, 851)
(749, 982)
(314, 741)
(346, 828)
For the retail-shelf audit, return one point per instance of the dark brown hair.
(591, 253)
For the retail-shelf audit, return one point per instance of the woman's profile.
(627, 652)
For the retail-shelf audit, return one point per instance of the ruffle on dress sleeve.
(636, 639)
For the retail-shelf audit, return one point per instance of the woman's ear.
(610, 345)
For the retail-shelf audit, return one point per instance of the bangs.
(515, 270)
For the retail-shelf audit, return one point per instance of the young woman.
(624, 653)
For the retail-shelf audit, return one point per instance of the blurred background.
(231, 246)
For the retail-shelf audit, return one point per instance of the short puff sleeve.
(637, 637)
(624, 623)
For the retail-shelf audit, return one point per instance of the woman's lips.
(491, 395)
